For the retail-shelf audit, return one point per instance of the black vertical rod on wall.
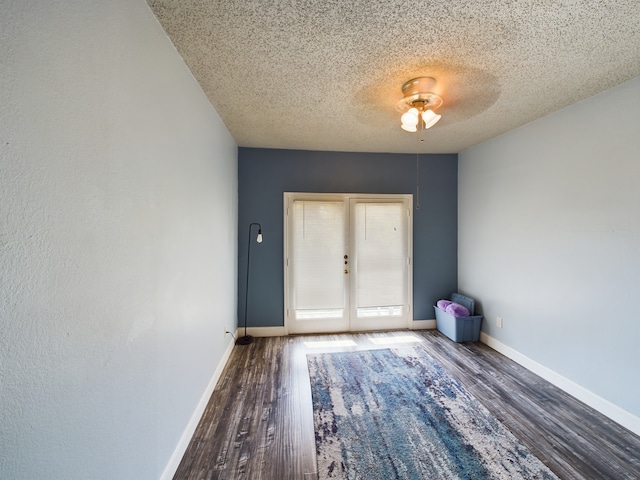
(247, 339)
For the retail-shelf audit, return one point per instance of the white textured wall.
(118, 207)
(549, 239)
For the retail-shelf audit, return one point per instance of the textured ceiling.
(327, 74)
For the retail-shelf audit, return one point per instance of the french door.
(347, 262)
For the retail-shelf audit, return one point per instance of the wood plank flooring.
(259, 424)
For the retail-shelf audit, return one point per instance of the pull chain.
(417, 181)
(418, 170)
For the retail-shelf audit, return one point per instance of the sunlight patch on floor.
(394, 340)
(330, 343)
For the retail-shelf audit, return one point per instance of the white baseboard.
(178, 453)
(262, 332)
(615, 413)
(423, 324)
(282, 331)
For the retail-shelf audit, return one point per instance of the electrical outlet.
(499, 322)
(226, 330)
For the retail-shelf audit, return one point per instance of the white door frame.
(289, 197)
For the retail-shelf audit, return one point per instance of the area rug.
(396, 413)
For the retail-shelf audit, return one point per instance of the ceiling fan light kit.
(419, 103)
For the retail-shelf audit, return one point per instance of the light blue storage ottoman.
(459, 329)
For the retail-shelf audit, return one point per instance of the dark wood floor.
(259, 425)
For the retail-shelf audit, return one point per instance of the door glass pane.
(380, 246)
(318, 259)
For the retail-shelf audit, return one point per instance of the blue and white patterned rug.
(396, 413)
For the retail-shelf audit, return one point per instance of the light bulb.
(259, 237)
(410, 117)
(430, 118)
(410, 120)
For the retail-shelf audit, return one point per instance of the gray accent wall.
(118, 211)
(264, 175)
(549, 240)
